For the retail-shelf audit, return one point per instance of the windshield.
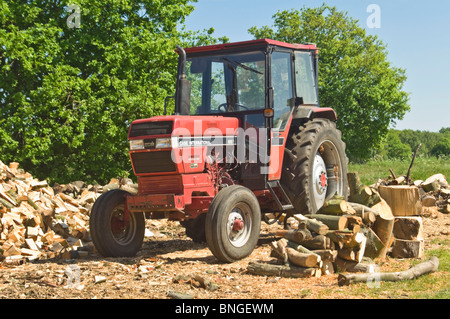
(227, 83)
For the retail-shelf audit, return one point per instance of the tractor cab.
(262, 82)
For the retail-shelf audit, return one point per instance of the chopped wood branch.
(421, 269)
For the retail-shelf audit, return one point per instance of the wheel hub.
(320, 180)
(238, 227)
(238, 224)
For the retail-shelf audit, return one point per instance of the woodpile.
(349, 235)
(38, 221)
(410, 200)
(342, 236)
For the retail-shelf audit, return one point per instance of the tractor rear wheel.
(314, 165)
(114, 232)
(233, 224)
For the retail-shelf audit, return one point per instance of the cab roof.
(248, 44)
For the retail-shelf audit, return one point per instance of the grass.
(422, 168)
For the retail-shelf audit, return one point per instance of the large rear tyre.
(314, 165)
(112, 234)
(233, 224)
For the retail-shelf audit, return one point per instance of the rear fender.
(312, 112)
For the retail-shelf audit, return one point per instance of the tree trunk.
(423, 268)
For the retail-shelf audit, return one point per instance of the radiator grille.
(153, 162)
(151, 128)
(171, 184)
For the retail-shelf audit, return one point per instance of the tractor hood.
(183, 125)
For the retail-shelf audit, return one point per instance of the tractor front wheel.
(115, 232)
(233, 224)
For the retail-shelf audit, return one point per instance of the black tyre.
(233, 224)
(314, 165)
(195, 228)
(111, 234)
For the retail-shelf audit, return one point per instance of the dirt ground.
(169, 261)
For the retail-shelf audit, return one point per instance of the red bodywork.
(188, 189)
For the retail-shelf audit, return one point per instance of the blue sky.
(417, 35)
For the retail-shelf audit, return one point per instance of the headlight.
(136, 145)
(164, 142)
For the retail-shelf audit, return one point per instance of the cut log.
(333, 222)
(282, 270)
(313, 224)
(297, 235)
(342, 265)
(398, 180)
(367, 214)
(318, 242)
(340, 237)
(408, 248)
(403, 200)
(327, 267)
(302, 259)
(347, 253)
(383, 226)
(408, 228)
(360, 193)
(431, 185)
(374, 246)
(428, 201)
(279, 251)
(445, 209)
(421, 269)
(334, 206)
(326, 254)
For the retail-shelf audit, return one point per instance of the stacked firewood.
(343, 235)
(38, 221)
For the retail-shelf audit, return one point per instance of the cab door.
(281, 76)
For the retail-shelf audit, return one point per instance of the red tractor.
(247, 138)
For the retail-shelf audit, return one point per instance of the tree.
(394, 147)
(442, 147)
(355, 76)
(68, 92)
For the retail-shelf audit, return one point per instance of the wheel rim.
(123, 231)
(239, 225)
(327, 173)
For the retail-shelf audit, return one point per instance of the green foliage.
(355, 76)
(395, 149)
(401, 144)
(442, 147)
(68, 95)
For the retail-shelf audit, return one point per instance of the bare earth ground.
(167, 263)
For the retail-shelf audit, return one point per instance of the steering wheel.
(224, 106)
